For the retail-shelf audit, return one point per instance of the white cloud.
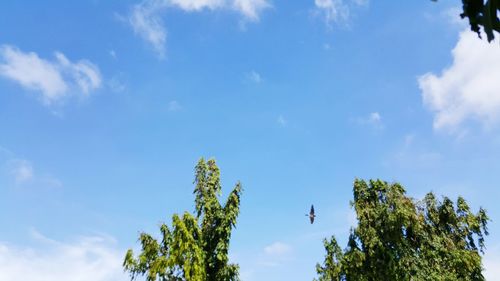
(53, 79)
(196, 5)
(88, 258)
(22, 171)
(467, 90)
(32, 72)
(85, 74)
(254, 77)
(278, 249)
(174, 106)
(336, 11)
(147, 22)
(251, 9)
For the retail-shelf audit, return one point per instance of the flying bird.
(311, 214)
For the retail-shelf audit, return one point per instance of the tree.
(196, 247)
(398, 238)
(482, 13)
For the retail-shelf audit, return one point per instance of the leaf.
(399, 238)
(196, 246)
(489, 19)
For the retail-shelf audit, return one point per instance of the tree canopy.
(482, 13)
(196, 246)
(399, 238)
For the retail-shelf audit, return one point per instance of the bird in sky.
(311, 214)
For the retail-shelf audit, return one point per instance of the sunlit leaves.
(196, 247)
(398, 238)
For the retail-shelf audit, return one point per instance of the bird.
(311, 214)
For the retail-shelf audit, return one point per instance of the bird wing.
(312, 210)
(311, 218)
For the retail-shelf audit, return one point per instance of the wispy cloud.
(361, 2)
(282, 121)
(195, 5)
(413, 153)
(336, 11)
(117, 84)
(174, 106)
(254, 77)
(251, 9)
(467, 90)
(147, 22)
(276, 254)
(85, 74)
(277, 249)
(332, 10)
(87, 258)
(54, 80)
(4, 152)
(374, 119)
(23, 173)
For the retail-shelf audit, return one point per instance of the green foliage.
(398, 238)
(196, 247)
(482, 13)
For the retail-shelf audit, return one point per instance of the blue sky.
(106, 106)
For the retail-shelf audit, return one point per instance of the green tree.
(196, 246)
(398, 238)
(482, 13)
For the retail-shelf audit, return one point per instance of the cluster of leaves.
(398, 238)
(196, 247)
(482, 13)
